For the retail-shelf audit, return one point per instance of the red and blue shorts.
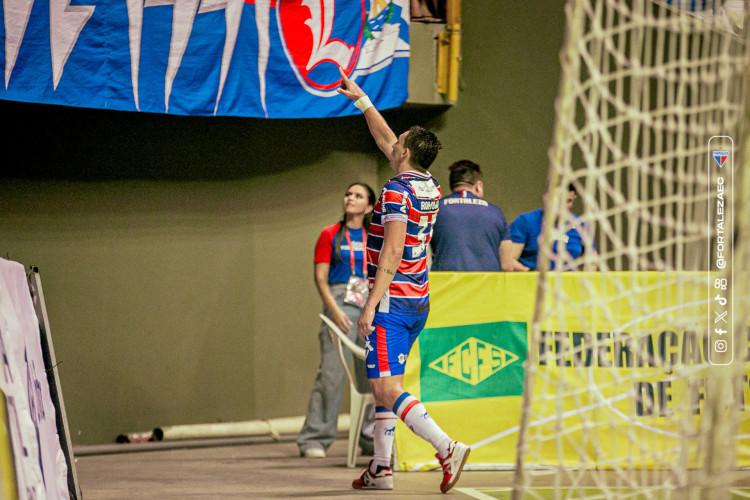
(389, 345)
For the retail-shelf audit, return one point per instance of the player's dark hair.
(571, 187)
(464, 172)
(423, 146)
(365, 223)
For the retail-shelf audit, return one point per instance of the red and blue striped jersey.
(412, 197)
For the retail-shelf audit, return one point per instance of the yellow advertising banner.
(620, 364)
(8, 487)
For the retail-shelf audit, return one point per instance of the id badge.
(356, 291)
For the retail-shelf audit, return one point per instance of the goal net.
(636, 381)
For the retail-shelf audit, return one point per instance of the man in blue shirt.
(470, 234)
(526, 230)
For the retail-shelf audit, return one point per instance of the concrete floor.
(260, 469)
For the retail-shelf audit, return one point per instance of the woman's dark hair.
(366, 222)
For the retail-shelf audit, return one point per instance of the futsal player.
(397, 307)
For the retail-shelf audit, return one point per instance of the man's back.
(467, 234)
(411, 197)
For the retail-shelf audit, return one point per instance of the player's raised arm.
(381, 132)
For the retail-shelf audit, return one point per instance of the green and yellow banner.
(621, 355)
(467, 365)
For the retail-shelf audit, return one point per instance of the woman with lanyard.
(341, 279)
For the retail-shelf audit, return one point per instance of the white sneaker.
(452, 464)
(314, 453)
(382, 479)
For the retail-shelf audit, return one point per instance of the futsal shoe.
(381, 480)
(452, 464)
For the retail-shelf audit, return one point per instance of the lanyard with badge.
(357, 287)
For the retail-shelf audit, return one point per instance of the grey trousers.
(319, 429)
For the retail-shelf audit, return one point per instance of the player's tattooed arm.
(394, 238)
(386, 270)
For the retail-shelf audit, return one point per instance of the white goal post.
(636, 385)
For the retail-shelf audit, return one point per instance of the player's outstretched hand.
(349, 88)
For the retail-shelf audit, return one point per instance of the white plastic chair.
(358, 400)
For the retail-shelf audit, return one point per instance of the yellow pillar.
(449, 52)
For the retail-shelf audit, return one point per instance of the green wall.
(176, 253)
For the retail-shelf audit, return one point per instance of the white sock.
(415, 416)
(385, 430)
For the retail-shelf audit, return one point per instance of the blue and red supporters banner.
(259, 58)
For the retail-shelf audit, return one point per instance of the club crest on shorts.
(317, 39)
